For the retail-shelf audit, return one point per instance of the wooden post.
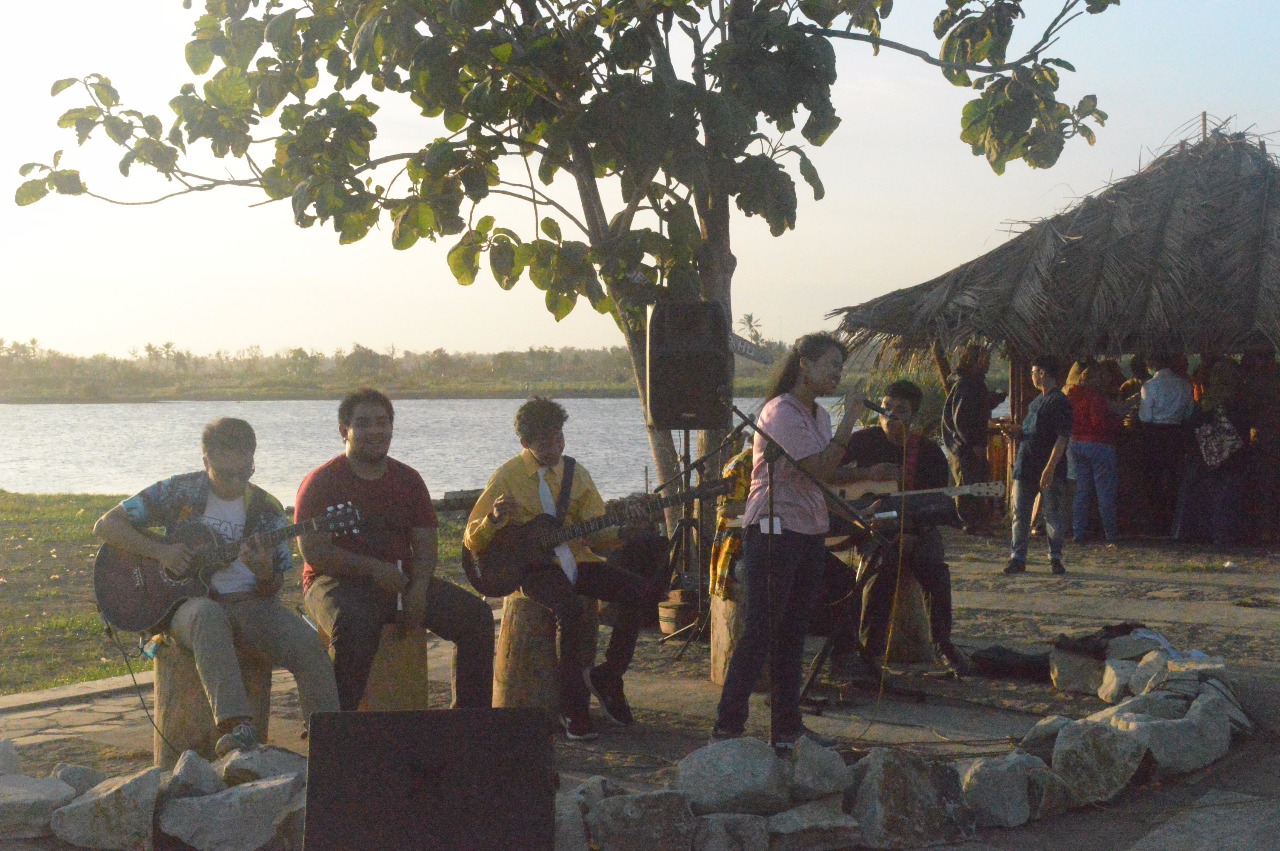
(184, 719)
(524, 665)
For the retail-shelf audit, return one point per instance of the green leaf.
(67, 182)
(405, 231)
(152, 126)
(199, 56)
(502, 262)
(1061, 63)
(810, 175)
(1087, 134)
(484, 225)
(62, 86)
(27, 168)
(31, 192)
(551, 228)
(106, 94)
(561, 304)
(464, 260)
(119, 130)
(454, 121)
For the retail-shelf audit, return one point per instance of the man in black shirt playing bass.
(912, 541)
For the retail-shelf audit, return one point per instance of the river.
(454, 443)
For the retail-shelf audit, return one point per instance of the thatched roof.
(1184, 255)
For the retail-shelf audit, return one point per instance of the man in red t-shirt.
(350, 584)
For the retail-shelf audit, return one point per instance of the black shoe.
(788, 740)
(578, 727)
(1056, 567)
(720, 734)
(953, 659)
(608, 690)
(243, 737)
(1015, 566)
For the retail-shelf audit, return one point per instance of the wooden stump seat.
(398, 680)
(184, 719)
(524, 665)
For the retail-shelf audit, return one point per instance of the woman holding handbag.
(1209, 502)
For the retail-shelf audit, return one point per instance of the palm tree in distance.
(751, 328)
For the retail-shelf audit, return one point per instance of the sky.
(905, 199)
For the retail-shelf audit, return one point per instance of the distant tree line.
(31, 373)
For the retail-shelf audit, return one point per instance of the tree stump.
(182, 713)
(398, 680)
(727, 618)
(524, 665)
(910, 641)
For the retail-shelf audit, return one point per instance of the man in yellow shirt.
(530, 484)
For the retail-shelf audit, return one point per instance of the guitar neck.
(604, 521)
(231, 549)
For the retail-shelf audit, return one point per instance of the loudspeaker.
(444, 780)
(690, 366)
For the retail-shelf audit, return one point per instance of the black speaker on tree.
(690, 366)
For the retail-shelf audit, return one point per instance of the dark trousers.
(353, 612)
(1166, 450)
(968, 467)
(798, 570)
(879, 580)
(630, 579)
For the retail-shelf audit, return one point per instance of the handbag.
(1218, 439)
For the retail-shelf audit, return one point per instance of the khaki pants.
(212, 629)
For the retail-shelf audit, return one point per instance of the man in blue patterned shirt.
(242, 606)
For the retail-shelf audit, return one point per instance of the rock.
(1187, 744)
(193, 777)
(27, 804)
(1073, 672)
(734, 776)
(730, 832)
(653, 821)
(1150, 667)
(1115, 680)
(245, 766)
(1039, 739)
(1240, 720)
(904, 801)
(9, 762)
(817, 772)
(243, 816)
(82, 778)
(289, 825)
(997, 790)
(1168, 707)
(593, 790)
(116, 813)
(1130, 648)
(1048, 794)
(571, 830)
(1095, 760)
(816, 826)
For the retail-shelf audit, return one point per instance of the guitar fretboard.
(617, 518)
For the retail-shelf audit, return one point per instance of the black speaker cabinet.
(444, 780)
(690, 366)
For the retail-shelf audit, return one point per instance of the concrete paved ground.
(1234, 804)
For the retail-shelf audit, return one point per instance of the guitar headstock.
(986, 489)
(340, 519)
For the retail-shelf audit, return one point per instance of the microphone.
(872, 406)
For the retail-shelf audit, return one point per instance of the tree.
(751, 327)
(651, 159)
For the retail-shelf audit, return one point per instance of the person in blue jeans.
(1039, 467)
(1092, 454)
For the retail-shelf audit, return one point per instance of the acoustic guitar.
(516, 550)
(136, 594)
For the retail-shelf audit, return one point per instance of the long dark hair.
(811, 347)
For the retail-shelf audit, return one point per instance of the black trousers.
(879, 578)
(633, 577)
(353, 611)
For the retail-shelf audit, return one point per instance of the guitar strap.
(566, 488)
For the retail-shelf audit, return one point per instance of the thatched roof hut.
(1184, 255)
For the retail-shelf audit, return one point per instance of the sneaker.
(608, 690)
(954, 660)
(243, 737)
(1056, 567)
(1015, 566)
(720, 734)
(788, 740)
(578, 727)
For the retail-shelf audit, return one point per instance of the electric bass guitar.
(136, 594)
(518, 550)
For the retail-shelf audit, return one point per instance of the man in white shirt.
(1165, 406)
